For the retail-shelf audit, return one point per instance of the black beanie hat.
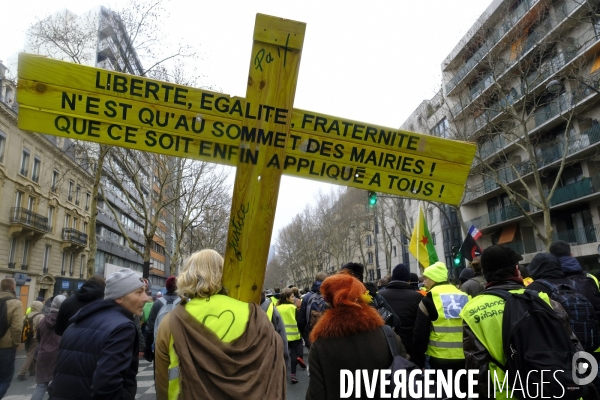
(401, 273)
(499, 257)
(356, 270)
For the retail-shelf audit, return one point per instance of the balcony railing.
(27, 217)
(491, 41)
(551, 110)
(73, 235)
(577, 236)
(11, 265)
(504, 214)
(24, 267)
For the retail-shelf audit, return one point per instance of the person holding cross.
(212, 346)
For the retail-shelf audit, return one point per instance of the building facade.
(523, 84)
(44, 212)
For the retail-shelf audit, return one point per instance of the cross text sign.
(262, 135)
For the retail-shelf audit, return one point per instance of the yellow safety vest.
(214, 315)
(484, 314)
(446, 337)
(595, 280)
(270, 311)
(288, 314)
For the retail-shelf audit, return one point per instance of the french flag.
(474, 232)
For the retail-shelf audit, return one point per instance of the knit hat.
(401, 273)
(414, 277)
(39, 298)
(499, 257)
(466, 274)
(355, 269)
(57, 301)
(171, 284)
(121, 283)
(437, 272)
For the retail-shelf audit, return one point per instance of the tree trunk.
(92, 242)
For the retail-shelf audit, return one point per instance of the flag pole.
(418, 234)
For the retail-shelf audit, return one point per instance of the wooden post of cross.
(272, 81)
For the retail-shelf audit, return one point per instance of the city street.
(23, 390)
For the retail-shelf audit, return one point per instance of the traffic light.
(372, 198)
(456, 256)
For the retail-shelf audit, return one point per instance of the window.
(55, 175)
(37, 166)
(2, 146)
(31, 203)
(75, 223)
(67, 221)
(12, 252)
(370, 257)
(18, 199)
(442, 129)
(77, 193)
(51, 218)
(64, 263)
(46, 258)
(88, 196)
(394, 251)
(158, 248)
(432, 237)
(369, 241)
(81, 263)
(71, 260)
(71, 184)
(25, 162)
(25, 257)
(85, 227)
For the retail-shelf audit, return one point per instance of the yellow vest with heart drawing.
(225, 316)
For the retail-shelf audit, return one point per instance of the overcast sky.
(372, 61)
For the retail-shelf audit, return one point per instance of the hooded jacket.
(587, 286)
(89, 292)
(149, 334)
(98, 355)
(48, 348)
(14, 316)
(303, 324)
(405, 303)
(547, 267)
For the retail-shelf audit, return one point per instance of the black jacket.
(547, 267)
(587, 286)
(149, 335)
(89, 291)
(405, 303)
(303, 324)
(98, 355)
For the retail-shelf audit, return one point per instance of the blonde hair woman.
(212, 346)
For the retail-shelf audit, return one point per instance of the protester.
(287, 309)
(527, 279)
(377, 301)
(475, 284)
(48, 349)
(483, 337)
(98, 355)
(267, 304)
(307, 317)
(10, 332)
(383, 282)
(404, 300)
(245, 353)
(438, 327)
(348, 336)
(91, 290)
(464, 276)
(34, 318)
(169, 297)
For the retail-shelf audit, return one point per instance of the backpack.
(582, 316)
(4, 325)
(528, 346)
(27, 331)
(164, 310)
(379, 303)
(400, 363)
(314, 308)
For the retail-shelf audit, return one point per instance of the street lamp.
(555, 86)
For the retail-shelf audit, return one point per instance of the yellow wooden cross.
(263, 135)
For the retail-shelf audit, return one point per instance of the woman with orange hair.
(348, 336)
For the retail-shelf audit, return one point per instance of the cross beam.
(262, 135)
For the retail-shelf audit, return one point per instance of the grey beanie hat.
(57, 301)
(121, 283)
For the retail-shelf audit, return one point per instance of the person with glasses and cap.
(98, 353)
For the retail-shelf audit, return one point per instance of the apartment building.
(523, 85)
(44, 211)
(105, 43)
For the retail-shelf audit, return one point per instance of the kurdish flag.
(421, 245)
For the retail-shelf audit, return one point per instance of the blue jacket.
(98, 355)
